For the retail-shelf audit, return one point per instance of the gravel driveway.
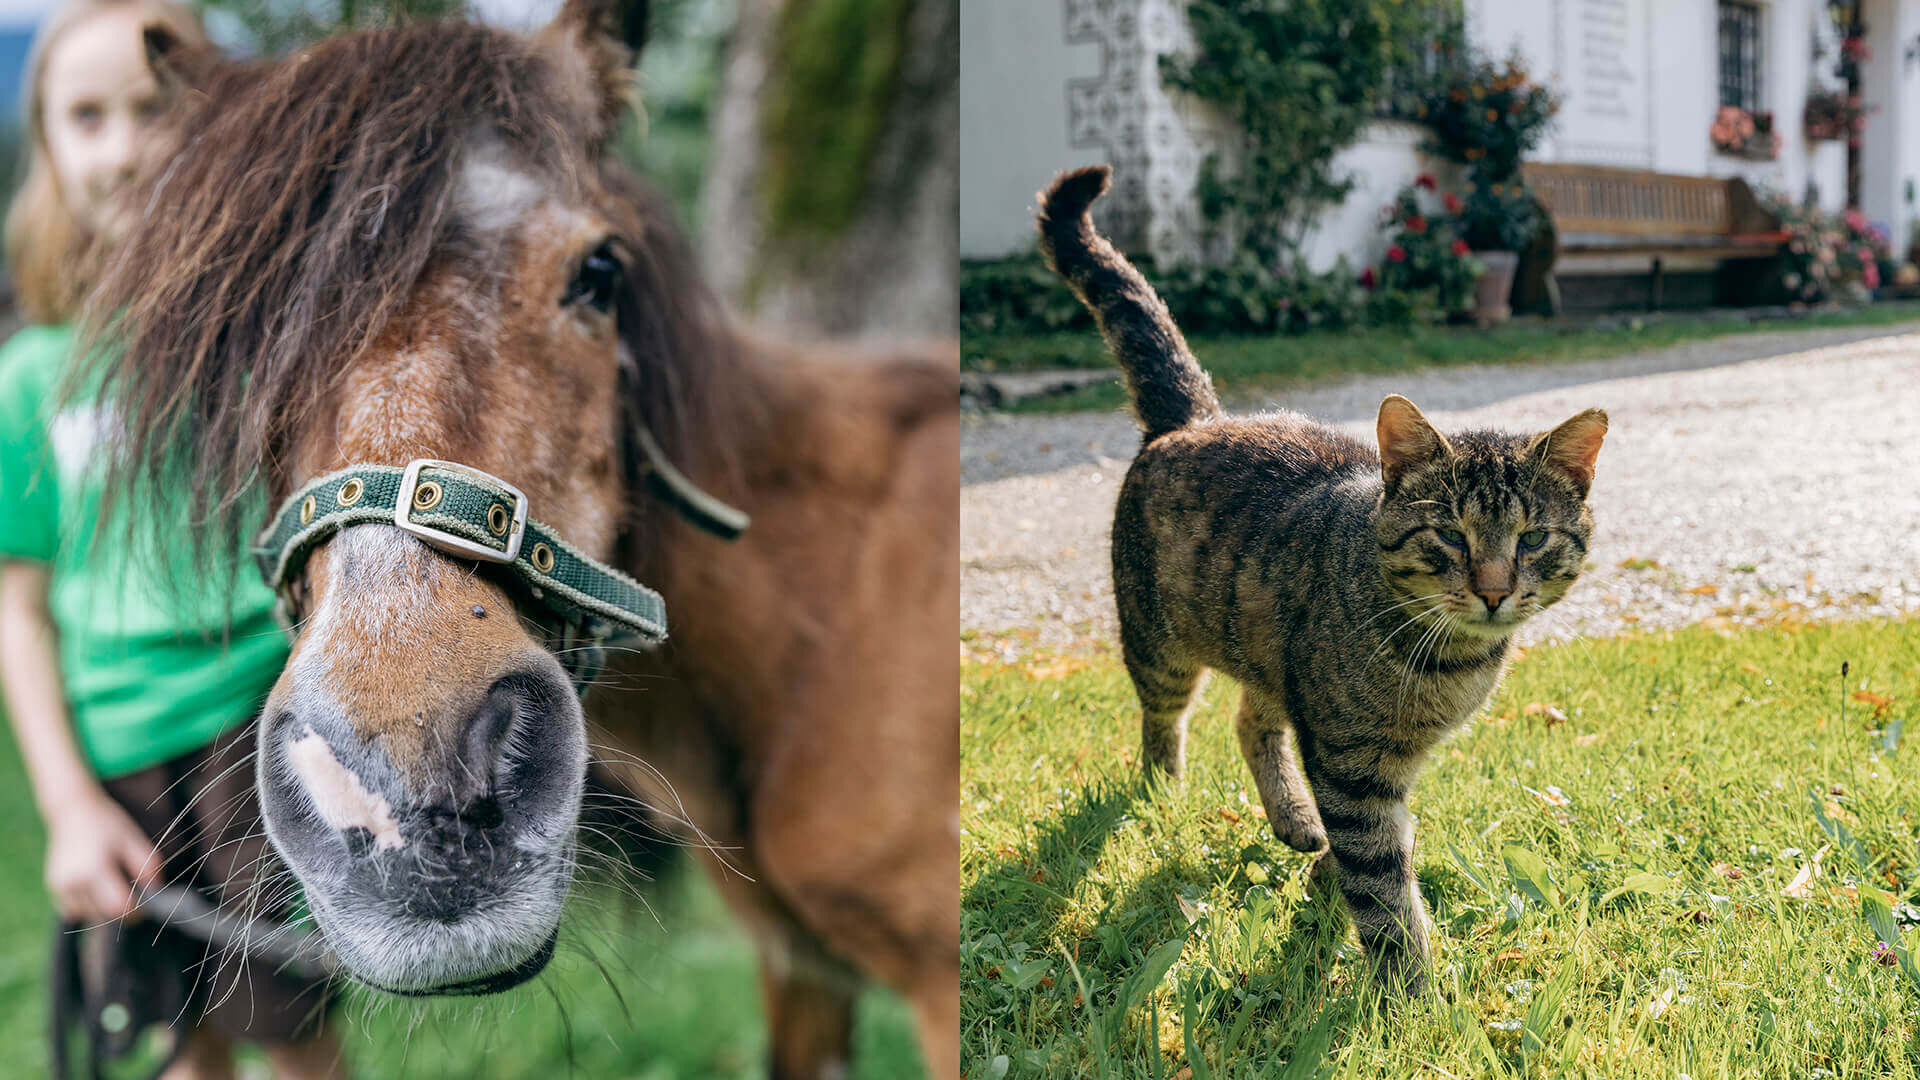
(1747, 478)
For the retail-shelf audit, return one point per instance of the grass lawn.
(686, 1007)
(1685, 876)
(1243, 364)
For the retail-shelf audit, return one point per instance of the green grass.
(1243, 364)
(1607, 891)
(627, 995)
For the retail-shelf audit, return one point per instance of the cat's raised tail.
(1169, 389)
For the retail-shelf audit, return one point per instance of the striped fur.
(1169, 389)
(1364, 601)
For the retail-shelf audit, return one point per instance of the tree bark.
(892, 268)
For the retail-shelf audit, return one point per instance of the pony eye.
(1532, 539)
(595, 282)
(1453, 536)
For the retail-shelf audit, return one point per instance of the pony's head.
(400, 244)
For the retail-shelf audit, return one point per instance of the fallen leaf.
(1639, 564)
(1188, 908)
(1704, 590)
(1881, 704)
(1729, 871)
(1834, 811)
(1511, 954)
(1588, 739)
(1799, 887)
(1057, 669)
(1552, 713)
(1228, 813)
(1751, 669)
(1552, 797)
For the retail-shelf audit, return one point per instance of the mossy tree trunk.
(832, 193)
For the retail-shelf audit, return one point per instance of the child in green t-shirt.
(131, 700)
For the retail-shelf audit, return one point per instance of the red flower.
(1460, 247)
(1396, 253)
(1416, 224)
(1426, 180)
(1366, 278)
(1451, 202)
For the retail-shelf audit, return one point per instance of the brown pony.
(413, 243)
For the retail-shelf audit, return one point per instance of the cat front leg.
(1370, 836)
(1266, 741)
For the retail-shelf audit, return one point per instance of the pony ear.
(1406, 438)
(1572, 448)
(176, 66)
(598, 42)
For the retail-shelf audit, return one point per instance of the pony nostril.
(490, 728)
(484, 814)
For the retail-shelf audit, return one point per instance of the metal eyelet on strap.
(543, 558)
(306, 510)
(498, 519)
(426, 495)
(350, 492)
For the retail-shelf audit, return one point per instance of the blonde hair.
(53, 257)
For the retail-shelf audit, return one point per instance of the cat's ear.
(1406, 438)
(1572, 448)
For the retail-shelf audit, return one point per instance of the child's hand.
(94, 854)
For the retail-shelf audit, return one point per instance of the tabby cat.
(1365, 602)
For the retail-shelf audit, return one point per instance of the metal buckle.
(448, 542)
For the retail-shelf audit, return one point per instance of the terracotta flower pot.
(1490, 292)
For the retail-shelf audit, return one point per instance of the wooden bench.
(1605, 220)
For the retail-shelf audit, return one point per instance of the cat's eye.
(1454, 537)
(1532, 539)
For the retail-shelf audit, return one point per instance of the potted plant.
(1488, 116)
(1497, 221)
(1428, 272)
(1833, 115)
(1739, 133)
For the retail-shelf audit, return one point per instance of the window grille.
(1741, 82)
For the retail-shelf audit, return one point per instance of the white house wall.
(1013, 117)
(1639, 79)
(1890, 148)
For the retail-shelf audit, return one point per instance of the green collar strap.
(473, 515)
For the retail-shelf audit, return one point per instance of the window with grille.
(1741, 84)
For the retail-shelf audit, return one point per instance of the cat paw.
(1306, 837)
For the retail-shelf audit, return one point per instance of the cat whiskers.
(1388, 640)
(1423, 648)
(1390, 609)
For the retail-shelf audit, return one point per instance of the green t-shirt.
(149, 674)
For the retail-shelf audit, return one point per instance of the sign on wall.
(1603, 53)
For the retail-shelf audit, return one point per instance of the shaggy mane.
(307, 199)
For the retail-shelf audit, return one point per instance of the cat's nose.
(1492, 597)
